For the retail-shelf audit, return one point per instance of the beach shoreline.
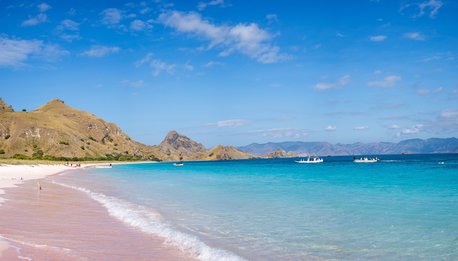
(16, 177)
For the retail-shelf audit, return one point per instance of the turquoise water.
(403, 208)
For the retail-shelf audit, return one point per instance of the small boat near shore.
(310, 159)
(366, 160)
(178, 164)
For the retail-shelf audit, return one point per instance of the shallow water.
(403, 208)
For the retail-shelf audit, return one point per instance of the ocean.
(402, 208)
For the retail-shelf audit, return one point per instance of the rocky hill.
(226, 153)
(58, 131)
(417, 146)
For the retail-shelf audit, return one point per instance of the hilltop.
(59, 131)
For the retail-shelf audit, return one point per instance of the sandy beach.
(32, 228)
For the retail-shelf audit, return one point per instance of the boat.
(366, 160)
(178, 164)
(310, 159)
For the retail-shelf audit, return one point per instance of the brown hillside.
(59, 130)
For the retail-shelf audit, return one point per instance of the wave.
(147, 221)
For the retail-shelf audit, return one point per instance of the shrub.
(92, 138)
(2, 151)
(63, 142)
(7, 136)
(20, 156)
(24, 110)
(38, 154)
(82, 147)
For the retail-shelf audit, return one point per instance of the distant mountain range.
(300, 148)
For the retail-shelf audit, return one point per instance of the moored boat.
(310, 159)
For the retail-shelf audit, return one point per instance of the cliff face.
(179, 147)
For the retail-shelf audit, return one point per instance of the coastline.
(17, 177)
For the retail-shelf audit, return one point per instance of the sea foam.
(147, 221)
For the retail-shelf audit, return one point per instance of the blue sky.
(236, 72)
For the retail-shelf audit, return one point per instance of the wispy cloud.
(283, 133)
(43, 7)
(233, 123)
(342, 81)
(16, 52)
(213, 63)
(36, 20)
(248, 39)
(132, 83)
(158, 66)
(98, 51)
(429, 91)
(450, 114)
(202, 5)
(111, 16)
(394, 127)
(416, 36)
(429, 7)
(271, 18)
(411, 130)
(387, 82)
(68, 30)
(378, 38)
(139, 25)
(330, 128)
(361, 128)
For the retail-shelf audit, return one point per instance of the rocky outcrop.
(281, 153)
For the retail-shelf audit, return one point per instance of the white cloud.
(412, 130)
(387, 82)
(159, 66)
(378, 38)
(280, 133)
(342, 81)
(330, 128)
(234, 123)
(43, 7)
(202, 5)
(36, 20)
(68, 30)
(100, 51)
(419, 9)
(15, 52)
(416, 36)
(428, 91)
(247, 39)
(394, 127)
(111, 16)
(361, 128)
(139, 25)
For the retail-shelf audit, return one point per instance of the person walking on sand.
(39, 186)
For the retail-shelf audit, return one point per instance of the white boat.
(178, 164)
(310, 159)
(366, 160)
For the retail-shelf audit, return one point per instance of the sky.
(236, 72)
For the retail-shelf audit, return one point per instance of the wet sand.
(58, 223)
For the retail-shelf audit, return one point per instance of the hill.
(58, 131)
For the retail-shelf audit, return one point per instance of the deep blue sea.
(402, 208)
